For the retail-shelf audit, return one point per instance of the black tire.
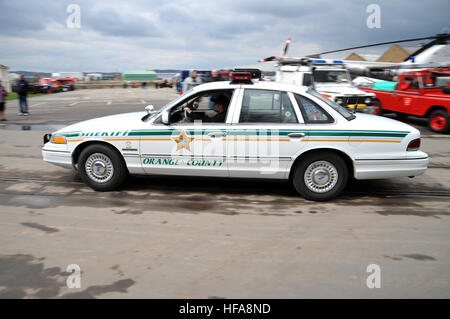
(378, 108)
(439, 121)
(337, 176)
(97, 157)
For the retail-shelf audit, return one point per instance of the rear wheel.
(439, 121)
(320, 176)
(101, 167)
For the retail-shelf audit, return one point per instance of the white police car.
(242, 129)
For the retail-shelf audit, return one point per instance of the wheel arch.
(80, 147)
(347, 159)
(437, 108)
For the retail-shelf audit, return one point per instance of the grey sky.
(127, 35)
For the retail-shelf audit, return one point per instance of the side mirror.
(150, 109)
(165, 117)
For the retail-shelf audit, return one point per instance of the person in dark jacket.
(22, 89)
(3, 95)
(215, 76)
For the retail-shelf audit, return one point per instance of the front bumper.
(390, 168)
(58, 157)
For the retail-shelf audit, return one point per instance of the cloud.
(124, 35)
(109, 22)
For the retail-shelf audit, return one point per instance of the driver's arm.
(190, 107)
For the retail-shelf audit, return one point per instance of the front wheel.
(320, 176)
(101, 168)
(439, 121)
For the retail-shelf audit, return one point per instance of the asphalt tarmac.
(206, 238)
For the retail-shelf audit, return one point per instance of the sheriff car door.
(187, 148)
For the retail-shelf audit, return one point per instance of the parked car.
(261, 130)
(423, 93)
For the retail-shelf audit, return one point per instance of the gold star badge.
(183, 141)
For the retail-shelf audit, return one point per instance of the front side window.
(325, 76)
(266, 106)
(407, 84)
(208, 106)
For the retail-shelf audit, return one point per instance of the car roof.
(267, 85)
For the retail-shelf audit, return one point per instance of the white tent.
(4, 77)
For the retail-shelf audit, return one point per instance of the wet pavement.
(175, 237)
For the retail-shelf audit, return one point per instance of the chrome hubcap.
(321, 176)
(99, 167)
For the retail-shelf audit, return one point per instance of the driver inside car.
(220, 107)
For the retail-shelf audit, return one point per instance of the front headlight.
(58, 140)
(367, 100)
(339, 101)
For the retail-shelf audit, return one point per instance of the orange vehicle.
(424, 93)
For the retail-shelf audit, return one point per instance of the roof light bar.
(244, 76)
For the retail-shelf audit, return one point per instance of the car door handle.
(217, 134)
(296, 135)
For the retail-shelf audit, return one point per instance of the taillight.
(414, 145)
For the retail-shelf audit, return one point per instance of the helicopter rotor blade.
(377, 44)
(268, 59)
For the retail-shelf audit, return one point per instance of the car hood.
(379, 123)
(342, 89)
(125, 121)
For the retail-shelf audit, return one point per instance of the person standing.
(192, 81)
(215, 76)
(22, 89)
(3, 95)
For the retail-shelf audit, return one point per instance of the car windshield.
(345, 112)
(324, 76)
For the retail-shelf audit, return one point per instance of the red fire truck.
(424, 93)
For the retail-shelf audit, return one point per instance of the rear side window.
(311, 111)
(266, 106)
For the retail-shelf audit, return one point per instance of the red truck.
(424, 93)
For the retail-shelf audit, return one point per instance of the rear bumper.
(57, 157)
(379, 169)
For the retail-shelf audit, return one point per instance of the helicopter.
(433, 54)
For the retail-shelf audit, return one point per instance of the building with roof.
(363, 57)
(78, 75)
(139, 75)
(394, 54)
